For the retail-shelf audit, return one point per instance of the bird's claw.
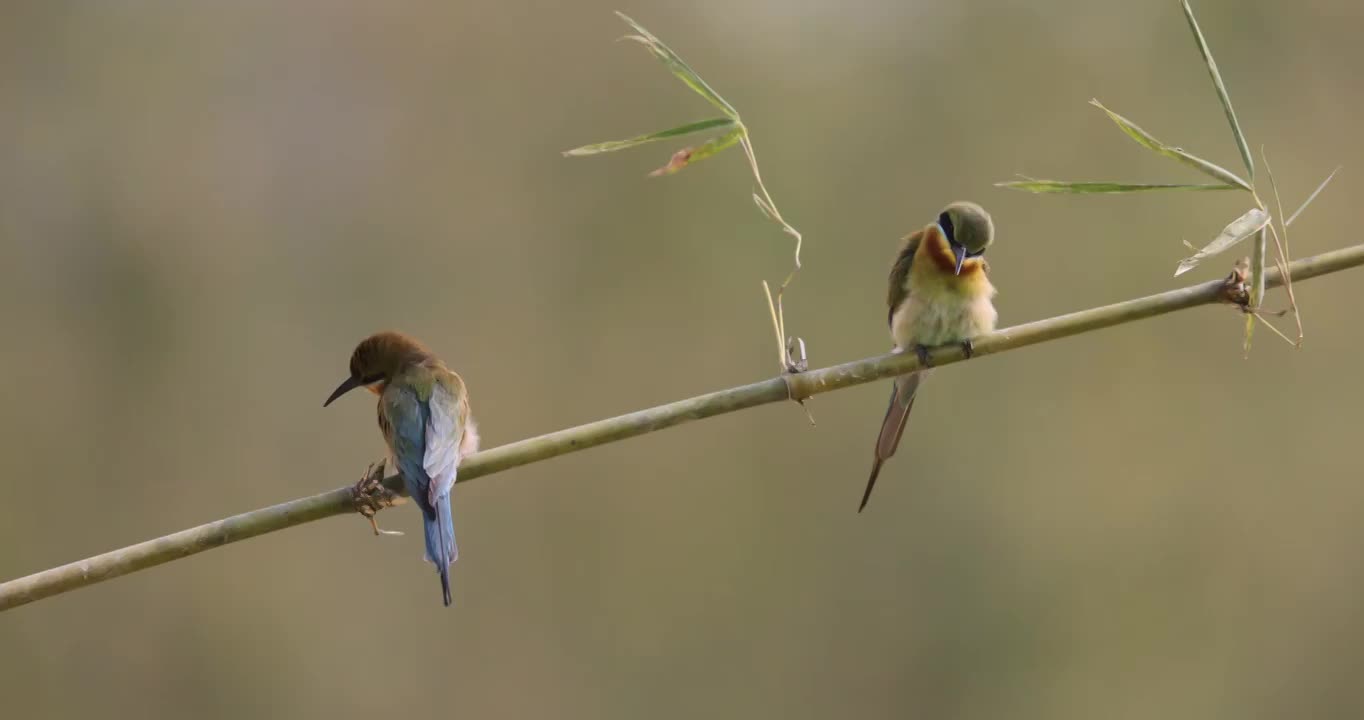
(370, 496)
(924, 352)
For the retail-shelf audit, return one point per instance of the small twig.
(776, 327)
(1282, 246)
(769, 208)
(1258, 316)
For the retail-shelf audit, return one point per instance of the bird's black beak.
(960, 252)
(350, 384)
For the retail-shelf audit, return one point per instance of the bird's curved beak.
(959, 251)
(349, 384)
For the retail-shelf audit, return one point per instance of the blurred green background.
(205, 205)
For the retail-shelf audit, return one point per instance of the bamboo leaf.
(690, 156)
(1222, 95)
(1239, 229)
(1310, 198)
(1149, 142)
(1208, 168)
(678, 67)
(614, 145)
(1034, 185)
(1133, 131)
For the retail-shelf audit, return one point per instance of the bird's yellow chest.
(943, 307)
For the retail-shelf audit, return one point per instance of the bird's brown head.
(378, 358)
(968, 229)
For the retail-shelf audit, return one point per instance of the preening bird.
(939, 294)
(424, 418)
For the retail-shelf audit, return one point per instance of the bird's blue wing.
(444, 431)
(403, 418)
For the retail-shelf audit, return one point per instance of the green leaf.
(613, 145)
(1034, 185)
(1239, 229)
(678, 67)
(687, 157)
(1310, 198)
(1142, 137)
(1208, 168)
(1149, 142)
(1222, 95)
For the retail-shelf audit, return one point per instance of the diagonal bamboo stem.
(147, 554)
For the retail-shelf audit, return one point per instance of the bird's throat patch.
(940, 254)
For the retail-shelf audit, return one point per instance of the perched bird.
(424, 417)
(939, 294)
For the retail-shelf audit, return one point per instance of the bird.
(939, 294)
(425, 420)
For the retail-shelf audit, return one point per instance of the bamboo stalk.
(251, 524)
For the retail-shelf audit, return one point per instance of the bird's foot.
(925, 352)
(370, 496)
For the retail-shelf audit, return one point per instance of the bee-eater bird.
(939, 294)
(424, 417)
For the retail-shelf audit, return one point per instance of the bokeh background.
(205, 205)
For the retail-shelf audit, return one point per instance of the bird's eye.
(945, 222)
(371, 379)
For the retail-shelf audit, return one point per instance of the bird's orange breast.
(940, 254)
(932, 277)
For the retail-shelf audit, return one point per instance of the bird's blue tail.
(440, 542)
